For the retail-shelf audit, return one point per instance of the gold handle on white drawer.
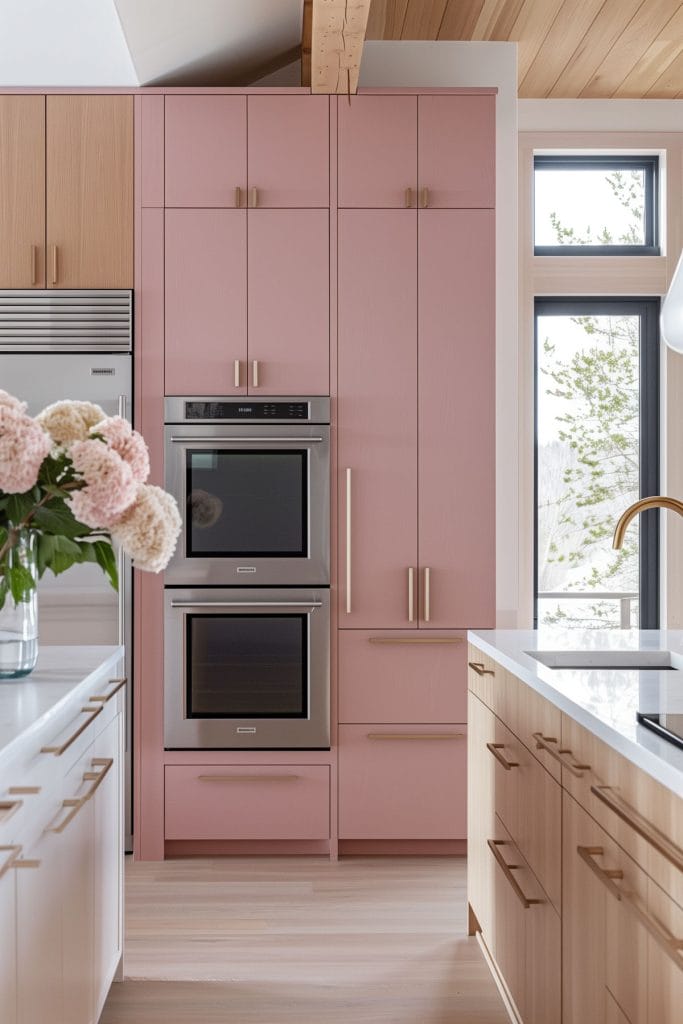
(414, 640)
(408, 201)
(415, 735)
(671, 945)
(236, 378)
(248, 778)
(8, 808)
(543, 743)
(639, 824)
(238, 196)
(424, 198)
(495, 748)
(507, 870)
(117, 685)
(58, 751)
(411, 594)
(75, 804)
(428, 595)
(34, 258)
(54, 264)
(480, 669)
(9, 861)
(254, 373)
(348, 540)
(254, 197)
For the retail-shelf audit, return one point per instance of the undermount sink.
(653, 660)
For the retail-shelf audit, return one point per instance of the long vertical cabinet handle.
(411, 594)
(238, 196)
(54, 264)
(348, 540)
(424, 198)
(408, 200)
(34, 260)
(237, 373)
(428, 601)
(254, 198)
(254, 373)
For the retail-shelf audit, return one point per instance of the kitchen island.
(575, 822)
(61, 835)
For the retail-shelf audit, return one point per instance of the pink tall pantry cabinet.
(347, 249)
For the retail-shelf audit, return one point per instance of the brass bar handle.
(8, 808)
(58, 751)
(254, 197)
(415, 735)
(348, 540)
(411, 594)
(117, 685)
(543, 743)
(254, 373)
(238, 197)
(54, 264)
(75, 804)
(428, 594)
(507, 870)
(660, 842)
(12, 854)
(236, 379)
(26, 864)
(424, 198)
(667, 942)
(480, 669)
(408, 201)
(248, 778)
(495, 749)
(415, 640)
(34, 258)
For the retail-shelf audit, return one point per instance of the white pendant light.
(671, 321)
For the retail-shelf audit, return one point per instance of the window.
(595, 205)
(597, 451)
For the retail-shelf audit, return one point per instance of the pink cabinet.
(377, 151)
(288, 151)
(402, 782)
(456, 151)
(205, 150)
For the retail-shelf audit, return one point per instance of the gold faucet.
(655, 501)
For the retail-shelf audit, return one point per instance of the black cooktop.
(668, 726)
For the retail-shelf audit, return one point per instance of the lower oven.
(247, 669)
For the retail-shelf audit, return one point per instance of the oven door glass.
(247, 666)
(244, 503)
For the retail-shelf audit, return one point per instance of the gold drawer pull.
(671, 945)
(495, 749)
(478, 667)
(639, 824)
(415, 735)
(74, 805)
(414, 640)
(34, 254)
(507, 870)
(8, 808)
(238, 196)
(118, 684)
(248, 778)
(9, 861)
(58, 751)
(408, 201)
(54, 264)
(543, 743)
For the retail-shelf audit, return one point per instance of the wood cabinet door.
(481, 867)
(288, 306)
(206, 302)
(456, 151)
(22, 191)
(8, 945)
(288, 154)
(377, 158)
(456, 375)
(89, 147)
(206, 150)
(39, 934)
(107, 806)
(665, 965)
(377, 417)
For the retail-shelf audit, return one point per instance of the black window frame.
(649, 164)
(649, 455)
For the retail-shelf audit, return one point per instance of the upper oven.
(252, 480)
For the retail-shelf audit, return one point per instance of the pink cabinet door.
(377, 151)
(377, 416)
(456, 420)
(402, 782)
(206, 150)
(289, 309)
(205, 301)
(456, 150)
(402, 676)
(289, 151)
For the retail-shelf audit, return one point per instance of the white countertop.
(28, 704)
(604, 701)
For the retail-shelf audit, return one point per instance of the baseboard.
(402, 847)
(246, 848)
(508, 1002)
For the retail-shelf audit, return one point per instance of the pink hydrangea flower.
(128, 443)
(110, 487)
(12, 402)
(149, 529)
(23, 446)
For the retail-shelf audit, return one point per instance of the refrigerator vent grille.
(51, 320)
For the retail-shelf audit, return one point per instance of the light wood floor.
(301, 941)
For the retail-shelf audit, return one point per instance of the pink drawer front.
(402, 676)
(402, 782)
(247, 802)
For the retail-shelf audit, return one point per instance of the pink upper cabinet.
(289, 307)
(206, 150)
(456, 151)
(456, 389)
(288, 151)
(377, 151)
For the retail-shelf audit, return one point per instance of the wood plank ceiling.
(598, 49)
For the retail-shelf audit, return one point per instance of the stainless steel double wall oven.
(247, 604)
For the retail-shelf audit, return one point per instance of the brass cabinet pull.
(26, 864)
(8, 808)
(254, 198)
(411, 594)
(425, 198)
(248, 778)
(348, 540)
(478, 667)
(58, 751)
(639, 824)
(75, 804)
(415, 735)
(238, 196)
(495, 749)
(237, 373)
(507, 870)
(54, 264)
(543, 743)
(9, 861)
(408, 198)
(414, 640)
(34, 255)
(117, 684)
(254, 373)
(427, 610)
(671, 945)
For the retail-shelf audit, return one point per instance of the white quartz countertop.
(604, 701)
(28, 704)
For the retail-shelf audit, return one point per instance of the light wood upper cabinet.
(22, 191)
(89, 152)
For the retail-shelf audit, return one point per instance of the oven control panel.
(246, 411)
(228, 409)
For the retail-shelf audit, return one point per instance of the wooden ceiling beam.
(338, 34)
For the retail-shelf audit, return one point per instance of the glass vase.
(19, 619)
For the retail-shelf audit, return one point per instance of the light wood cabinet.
(22, 191)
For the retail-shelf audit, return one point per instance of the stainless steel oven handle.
(257, 440)
(246, 604)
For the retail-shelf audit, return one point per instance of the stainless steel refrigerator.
(56, 345)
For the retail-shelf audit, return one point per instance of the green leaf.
(3, 591)
(106, 559)
(20, 582)
(19, 506)
(57, 553)
(58, 519)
